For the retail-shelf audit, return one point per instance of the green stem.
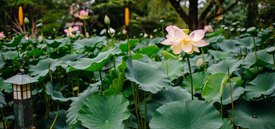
(255, 48)
(231, 98)
(85, 31)
(101, 86)
(221, 108)
(203, 58)
(190, 73)
(166, 66)
(136, 103)
(46, 102)
(55, 118)
(145, 114)
(273, 59)
(114, 62)
(129, 46)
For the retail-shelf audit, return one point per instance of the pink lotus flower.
(72, 32)
(208, 28)
(83, 14)
(180, 41)
(2, 35)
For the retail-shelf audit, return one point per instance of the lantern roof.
(21, 79)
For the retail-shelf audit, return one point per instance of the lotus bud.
(26, 20)
(127, 16)
(20, 15)
(107, 20)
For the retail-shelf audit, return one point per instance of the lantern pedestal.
(22, 112)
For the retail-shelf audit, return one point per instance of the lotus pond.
(172, 78)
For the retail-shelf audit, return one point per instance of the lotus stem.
(55, 118)
(136, 103)
(166, 66)
(231, 98)
(203, 59)
(190, 73)
(101, 86)
(273, 59)
(255, 48)
(85, 30)
(114, 62)
(221, 108)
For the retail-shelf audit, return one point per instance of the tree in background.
(196, 18)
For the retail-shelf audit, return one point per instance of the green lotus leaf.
(254, 115)
(226, 124)
(2, 63)
(173, 67)
(237, 91)
(5, 86)
(229, 46)
(213, 88)
(263, 59)
(88, 64)
(2, 100)
(151, 50)
(9, 55)
(219, 55)
(43, 67)
(246, 42)
(225, 65)
(199, 78)
(263, 84)
(56, 95)
(15, 41)
(89, 42)
(148, 77)
(100, 112)
(124, 45)
(186, 115)
(116, 86)
(72, 115)
(172, 94)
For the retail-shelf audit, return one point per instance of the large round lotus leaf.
(186, 115)
(78, 102)
(42, 68)
(263, 59)
(237, 91)
(151, 50)
(56, 94)
(213, 88)
(2, 62)
(100, 112)
(199, 79)
(89, 42)
(254, 116)
(263, 84)
(168, 95)
(226, 124)
(229, 46)
(219, 55)
(2, 100)
(89, 64)
(225, 65)
(174, 68)
(148, 77)
(246, 42)
(172, 94)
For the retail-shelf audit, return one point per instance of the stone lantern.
(21, 86)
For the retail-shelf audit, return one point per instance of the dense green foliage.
(97, 75)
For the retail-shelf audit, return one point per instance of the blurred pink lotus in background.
(2, 35)
(72, 31)
(208, 28)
